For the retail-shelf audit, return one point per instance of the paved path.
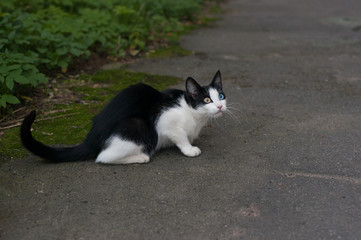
(287, 167)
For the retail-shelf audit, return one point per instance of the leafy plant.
(37, 36)
(16, 68)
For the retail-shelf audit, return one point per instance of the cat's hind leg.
(121, 151)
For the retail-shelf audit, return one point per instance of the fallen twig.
(21, 117)
(59, 116)
(17, 110)
(55, 111)
(38, 120)
(11, 126)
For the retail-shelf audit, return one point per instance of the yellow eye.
(207, 100)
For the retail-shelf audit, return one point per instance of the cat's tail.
(52, 154)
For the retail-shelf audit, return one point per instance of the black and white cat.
(139, 121)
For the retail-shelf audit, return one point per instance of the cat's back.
(132, 100)
(138, 95)
(137, 102)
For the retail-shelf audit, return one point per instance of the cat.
(139, 121)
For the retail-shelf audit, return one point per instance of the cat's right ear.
(217, 81)
(192, 87)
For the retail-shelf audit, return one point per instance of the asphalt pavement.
(285, 164)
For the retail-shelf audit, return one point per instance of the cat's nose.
(219, 107)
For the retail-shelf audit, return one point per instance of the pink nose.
(219, 107)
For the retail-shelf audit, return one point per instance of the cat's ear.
(192, 87)
(217, 81)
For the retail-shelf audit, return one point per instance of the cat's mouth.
(218, 114)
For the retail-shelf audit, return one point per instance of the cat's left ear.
(192, 87)
(217, 81)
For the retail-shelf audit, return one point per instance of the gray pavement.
(287, 166)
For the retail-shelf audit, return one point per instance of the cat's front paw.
(191, 151)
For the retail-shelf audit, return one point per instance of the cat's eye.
(207, 100)
(221, 96)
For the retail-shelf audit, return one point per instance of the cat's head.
(208, 100)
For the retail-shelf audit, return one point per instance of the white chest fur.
(178, 122)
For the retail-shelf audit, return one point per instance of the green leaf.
(62, 51)
(42, 49)
(10, 99)
(21, 79)
(4, 70)
(9, 82)
(15, 73)
(2, 102)
(41, 78)
(16, 55)
(4, 40)
(76, 52)
(122, 10)
(12, 35)
(62, 64)
(21, 41)
(29, 67)
(44, 60)
(13, 67)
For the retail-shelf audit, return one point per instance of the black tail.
(52, 154)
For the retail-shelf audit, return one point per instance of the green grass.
(96, 93)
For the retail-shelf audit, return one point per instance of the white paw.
(141, 158)
(191, 151)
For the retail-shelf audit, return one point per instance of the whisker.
(236, 117)
(233, 104)
(233, 108)
(233, 116)
(216, 122)
(209, 119)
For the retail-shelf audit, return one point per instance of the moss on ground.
(71, 126)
